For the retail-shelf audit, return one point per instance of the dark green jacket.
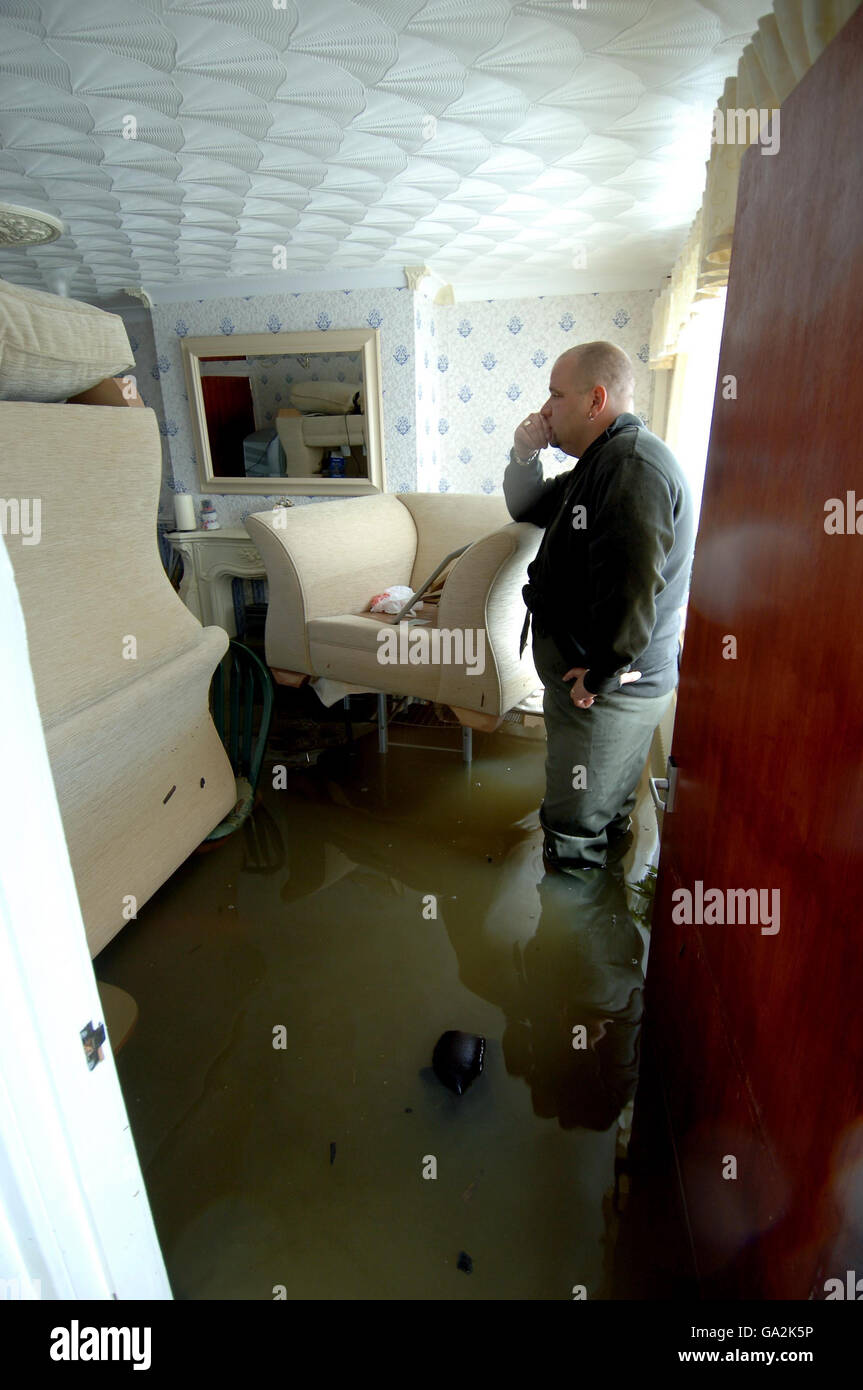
(613, 568)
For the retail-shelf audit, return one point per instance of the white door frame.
(75, 1222)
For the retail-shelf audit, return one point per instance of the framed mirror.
(278, 413)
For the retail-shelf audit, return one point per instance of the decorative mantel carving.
(211, 559)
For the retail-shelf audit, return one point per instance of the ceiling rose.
(27, 226)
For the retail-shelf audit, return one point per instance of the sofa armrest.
(300, 460)
(483, 592)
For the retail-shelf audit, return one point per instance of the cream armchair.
(327, 561)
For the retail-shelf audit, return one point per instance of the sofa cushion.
(327, 430)
(347, 648)
(359, 632)
(53, 348)
(327, 397)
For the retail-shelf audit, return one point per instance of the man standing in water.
(605, 591)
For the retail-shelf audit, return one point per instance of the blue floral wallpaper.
(456, 378)
(429, 447)
(139, 326)
(489, 366)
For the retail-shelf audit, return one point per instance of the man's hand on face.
(581, 697)
(533, 433)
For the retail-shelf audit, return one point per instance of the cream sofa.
(304, 438)
(121, 668)
(327, 561)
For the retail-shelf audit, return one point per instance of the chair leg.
(383, 735)
(467, 744)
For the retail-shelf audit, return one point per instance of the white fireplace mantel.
(211, 559)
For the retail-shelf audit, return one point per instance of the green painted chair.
(241, 699)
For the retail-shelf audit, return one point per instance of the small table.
(211, 559)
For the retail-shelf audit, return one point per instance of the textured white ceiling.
(493, 141)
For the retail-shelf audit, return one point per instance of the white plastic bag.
(393, 600)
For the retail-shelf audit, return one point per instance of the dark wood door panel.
(764, 1027)
(733, 1186)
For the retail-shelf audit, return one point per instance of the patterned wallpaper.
(491, 368)
(427, 345)
(456, 379)
(139, 326)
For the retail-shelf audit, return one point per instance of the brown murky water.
(375, 903)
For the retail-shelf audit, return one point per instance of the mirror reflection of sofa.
(323, 416)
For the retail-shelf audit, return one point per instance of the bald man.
(604, 597)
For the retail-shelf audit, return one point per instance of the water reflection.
(573, 1031)
(560, 955)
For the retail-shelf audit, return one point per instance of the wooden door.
(757, 1032)
(230, 419)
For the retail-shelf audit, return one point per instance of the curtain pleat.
(786, 44)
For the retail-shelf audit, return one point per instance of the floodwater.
(292, 984)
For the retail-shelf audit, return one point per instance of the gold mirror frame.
(364, 340)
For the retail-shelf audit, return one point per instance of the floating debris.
(457, 1059)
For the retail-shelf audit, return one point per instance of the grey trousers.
(594, 760)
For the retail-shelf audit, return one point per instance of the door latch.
(667, 784)
(92, 1040)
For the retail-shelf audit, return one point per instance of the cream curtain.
(786, 45)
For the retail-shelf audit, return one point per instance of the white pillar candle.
(184, 512)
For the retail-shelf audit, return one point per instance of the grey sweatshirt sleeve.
(529, 497)
(631, 534)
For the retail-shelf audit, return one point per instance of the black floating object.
(457, 1059)
(465, 1263)
(332, 1154)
